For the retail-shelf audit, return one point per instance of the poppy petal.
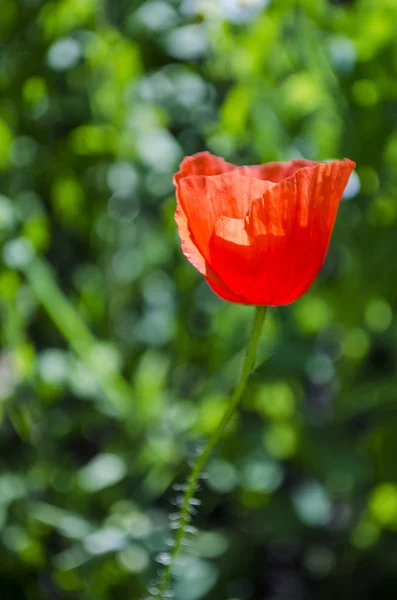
(189, 248)
(223, 291)
(191, 252)
(202, 163)
(276, 171)
(273, 255)
(205, 199)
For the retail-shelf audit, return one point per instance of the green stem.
(194, 476)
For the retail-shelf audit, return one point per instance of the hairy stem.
(194, 476)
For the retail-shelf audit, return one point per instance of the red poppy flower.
(258, 234)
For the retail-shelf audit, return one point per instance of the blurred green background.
(116, 359)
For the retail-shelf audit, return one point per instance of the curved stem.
(194, 476)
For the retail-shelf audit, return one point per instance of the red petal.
(276, 171)
(189, 248)
(273, 255)
(205, 199)
(223, 292)
(202, 163)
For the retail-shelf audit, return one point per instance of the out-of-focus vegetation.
(116, 359)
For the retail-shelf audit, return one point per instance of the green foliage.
(116, 359)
